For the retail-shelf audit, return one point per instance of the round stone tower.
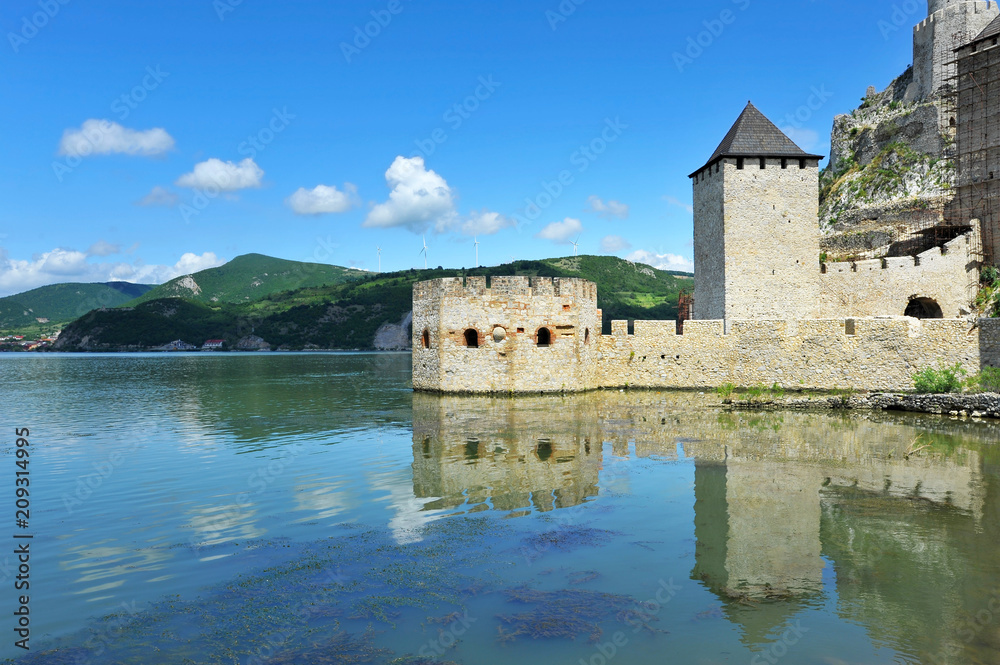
(937, 5)
(949, 25)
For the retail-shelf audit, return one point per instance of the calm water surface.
(312, 509)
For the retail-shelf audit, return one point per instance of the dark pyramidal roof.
(992, 30)
(754, 135)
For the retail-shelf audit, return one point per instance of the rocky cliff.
(890, 171)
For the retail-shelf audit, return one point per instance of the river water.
(291, 508)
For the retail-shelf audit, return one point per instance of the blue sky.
(146, 140)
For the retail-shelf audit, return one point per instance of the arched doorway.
(544, 337)
(924, 308)
(472, 338)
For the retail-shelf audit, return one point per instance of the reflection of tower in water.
(792, 510)
(481, 452)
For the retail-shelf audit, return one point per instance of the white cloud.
(609, 210)
(486, 223)
(103, 137)
(102, 248)
(680, 204)
(614, 244)
(323, 200)
(159, 196)
(561, 232)
(662, 261)
(806, 139)
(192, 263)
(215, 174)
(420, 199)
(67, 265)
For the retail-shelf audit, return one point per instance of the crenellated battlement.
(812, 354)
(507, 287)
(858, 329)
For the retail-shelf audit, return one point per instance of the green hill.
(347, 315)
(249, 278)
(62, 303)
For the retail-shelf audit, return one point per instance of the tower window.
(784, 163)
(951, 122)
(763, 162)
(427, 339)
(472, 338)
(802, 164)
(739, 163)
(544, 337)
(717, 166)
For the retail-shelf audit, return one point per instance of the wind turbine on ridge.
(379, 258)
(424, 252)
(576, 247)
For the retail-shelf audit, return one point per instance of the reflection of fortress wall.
(474, 450)
(774, 493)
(527, 335)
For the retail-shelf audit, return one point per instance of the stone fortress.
(767, 309)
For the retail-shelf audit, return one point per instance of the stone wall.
(864, 354)
(948, 275)
(510, 317)
(767, 236)
(877, 354)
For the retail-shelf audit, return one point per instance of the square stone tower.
(756, 226)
